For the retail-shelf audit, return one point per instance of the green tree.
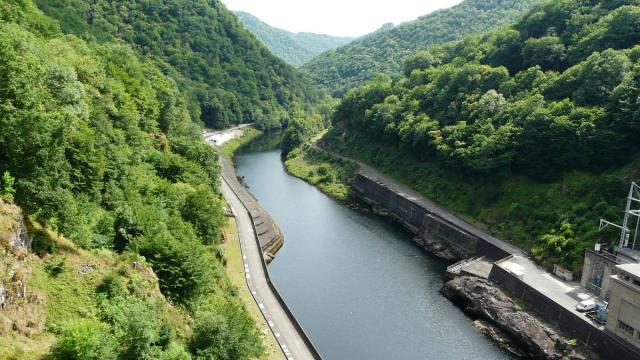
(224, 338)
(7, 189)
(547, 52)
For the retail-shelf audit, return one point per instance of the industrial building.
(624, 305)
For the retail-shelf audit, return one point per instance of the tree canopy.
(228, 75)
(557, 91)
(386, 49)
(99, 144)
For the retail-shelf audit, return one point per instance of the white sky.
(336, 17)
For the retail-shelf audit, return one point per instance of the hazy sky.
(336, 17)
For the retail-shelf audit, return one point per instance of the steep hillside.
(385, 50)
(294, 48)
(532, 130)
(229, 75)
(122, 214)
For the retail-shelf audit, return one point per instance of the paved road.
(436, 209)
(290, 339)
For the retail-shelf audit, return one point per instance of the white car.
(586, 305)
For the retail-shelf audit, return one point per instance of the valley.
(181, 180)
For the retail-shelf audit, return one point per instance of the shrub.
(84, 340)
(55, 266)
(6, 186)
(224, 337)
(202, 209)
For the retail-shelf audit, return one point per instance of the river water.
(356, 283)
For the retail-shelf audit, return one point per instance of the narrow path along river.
(356, 283)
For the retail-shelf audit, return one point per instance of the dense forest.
(532, 129)
(294, 48)
(98, 145)
(385, 50)
(229, 76)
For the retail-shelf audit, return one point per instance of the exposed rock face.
(21, 310)
(504, 321)
(499, 336)
(12, 228)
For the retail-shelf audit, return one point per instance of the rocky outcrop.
(12, 226)
(505, 322)
(21, 310)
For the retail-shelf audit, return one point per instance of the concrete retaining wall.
(603, 343)
(426, 223)
(269, 236)
(235, 187)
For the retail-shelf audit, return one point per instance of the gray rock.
(438, 249)
(502, 319)
(13, 229)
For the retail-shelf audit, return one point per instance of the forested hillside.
(99, 148)
(533, 129)
(385, 51)
(294, 48)
(229, 76)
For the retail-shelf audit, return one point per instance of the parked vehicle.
(586, 305)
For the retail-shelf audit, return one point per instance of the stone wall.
(601, 342)
(425, 223)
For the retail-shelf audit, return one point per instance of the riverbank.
(504, 321)
(259, 239)
(228, 141)
(329, 173)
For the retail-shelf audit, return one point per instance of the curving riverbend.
(356, 283)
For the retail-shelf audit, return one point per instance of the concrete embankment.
(257, 231)
(269, 236)
(435, 228)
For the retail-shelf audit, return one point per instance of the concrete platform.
(565, 293)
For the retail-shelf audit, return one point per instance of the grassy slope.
(330, 174)
(55, 297)
(235, 271)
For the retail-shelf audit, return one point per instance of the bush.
(55, 266)
(6, 186)
(227, 337)
(202, 209)
(84, 340)
(183, 267)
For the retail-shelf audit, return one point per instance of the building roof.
(631, 269)
(628, 255)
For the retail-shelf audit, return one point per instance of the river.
(357, 284)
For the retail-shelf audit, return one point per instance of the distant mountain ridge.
(385, 50)
(294, 48)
